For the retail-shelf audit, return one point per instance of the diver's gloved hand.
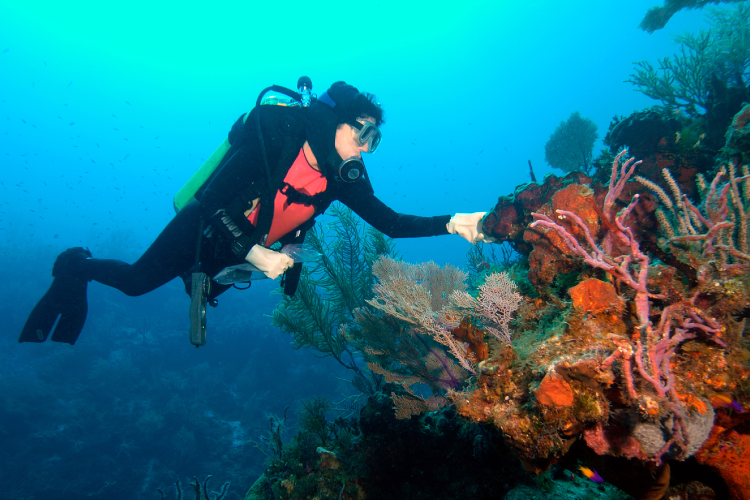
(271, 263)
(469, 227)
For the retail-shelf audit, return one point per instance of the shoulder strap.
(289, 152)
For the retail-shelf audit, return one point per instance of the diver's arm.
(392, 224)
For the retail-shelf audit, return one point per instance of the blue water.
(106, 111)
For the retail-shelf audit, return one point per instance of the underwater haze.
(106, 109)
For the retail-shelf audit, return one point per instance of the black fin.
(65, 298)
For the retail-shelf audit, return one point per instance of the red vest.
(288, 216)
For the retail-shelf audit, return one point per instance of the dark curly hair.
(364, 104)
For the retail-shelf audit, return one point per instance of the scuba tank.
(186, 194)
(270, 96)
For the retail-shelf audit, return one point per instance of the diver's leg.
(171, 254)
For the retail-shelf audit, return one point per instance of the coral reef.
(615, 337)
(644, 346)
(663, 402)
(654, 336)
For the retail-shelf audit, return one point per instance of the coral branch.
(653, 356)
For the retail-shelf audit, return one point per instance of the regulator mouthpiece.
(351, 169)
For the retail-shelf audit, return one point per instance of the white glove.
(269, 262)
(469, 227)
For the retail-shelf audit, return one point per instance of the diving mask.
(367, 132)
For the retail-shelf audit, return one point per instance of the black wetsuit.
(173, 252)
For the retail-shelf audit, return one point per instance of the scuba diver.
(282, 164)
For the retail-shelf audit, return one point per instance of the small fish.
(591, 474)
(5, 51)
(724, 401)
(71, 83)
(677, 137)
(113, 116)
(72, 123)
(126, 102)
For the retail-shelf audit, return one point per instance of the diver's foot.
(68, 264)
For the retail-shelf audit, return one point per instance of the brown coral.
(555, 391)
(595, 296)
(468, 333)
(551, 255)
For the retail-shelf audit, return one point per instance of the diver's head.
(343, 124)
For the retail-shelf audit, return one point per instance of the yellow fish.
(591, 474)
